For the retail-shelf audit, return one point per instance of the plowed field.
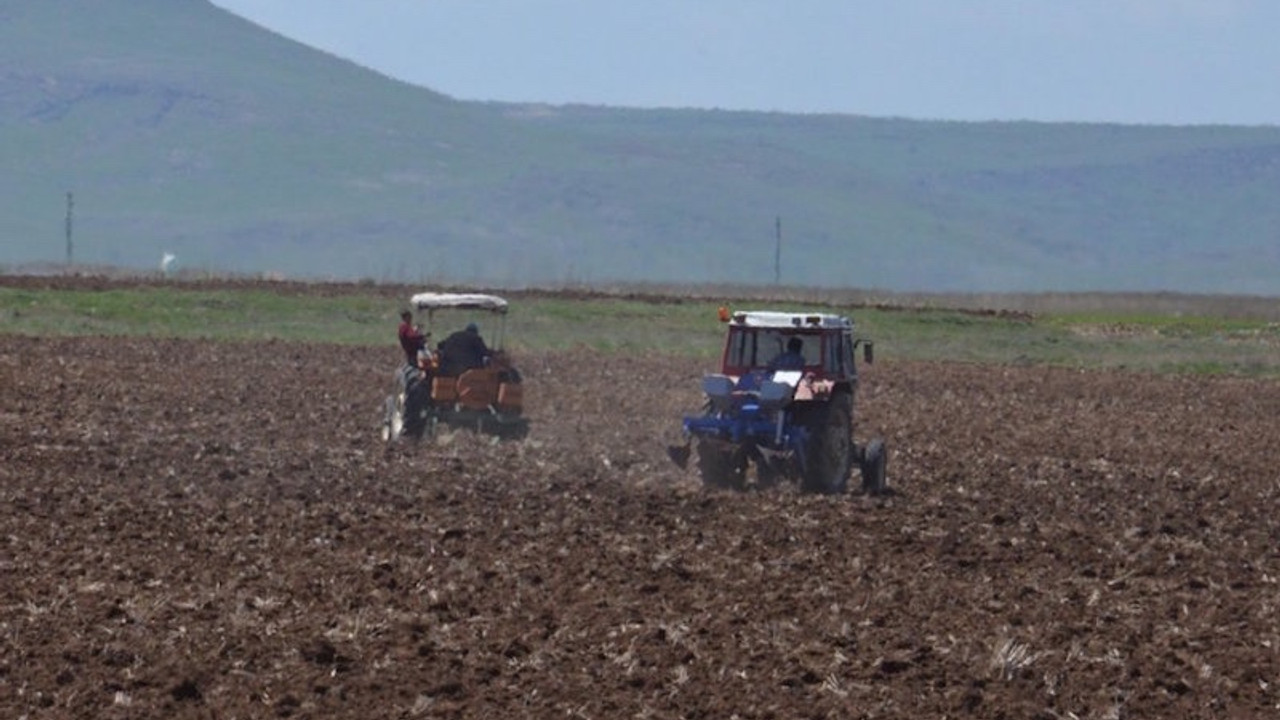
(214, 530)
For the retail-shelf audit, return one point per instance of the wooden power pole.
(777, 251)
(70, 205)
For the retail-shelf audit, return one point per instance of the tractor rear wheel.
(830, 446)
(722, 468)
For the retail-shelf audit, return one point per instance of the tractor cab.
(813, 352)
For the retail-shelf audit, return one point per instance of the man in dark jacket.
(462, 351)
(792, 359)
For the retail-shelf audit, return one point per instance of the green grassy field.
(1131, 338)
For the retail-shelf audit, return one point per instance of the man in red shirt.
(411, 339)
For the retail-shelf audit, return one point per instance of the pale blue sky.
(1128, 61)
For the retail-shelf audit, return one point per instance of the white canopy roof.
(459, 301)
(772, 319)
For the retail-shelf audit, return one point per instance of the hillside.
(179, 127)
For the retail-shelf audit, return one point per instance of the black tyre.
(830, 446)
(875, 458)
(506, 427)
(417, 401)
(392, 420)
(393, 408)
(767, 475)
(722, 468)
(408, 407)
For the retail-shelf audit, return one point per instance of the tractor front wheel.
(391, 420)
(874, 460)
(407, 408)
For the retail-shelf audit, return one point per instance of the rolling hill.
(178, 127)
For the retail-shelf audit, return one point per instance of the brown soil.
(196, 530)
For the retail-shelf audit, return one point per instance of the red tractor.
(783, 401)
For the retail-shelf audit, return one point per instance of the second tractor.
(783, 401)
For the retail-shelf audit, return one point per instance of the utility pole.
(777, 251)
(70, 204)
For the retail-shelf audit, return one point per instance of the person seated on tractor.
(462, 351)
(792, 359)
(411, 338)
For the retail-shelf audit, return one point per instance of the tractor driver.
(792, 359)
(411, 338)
(463, 350)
